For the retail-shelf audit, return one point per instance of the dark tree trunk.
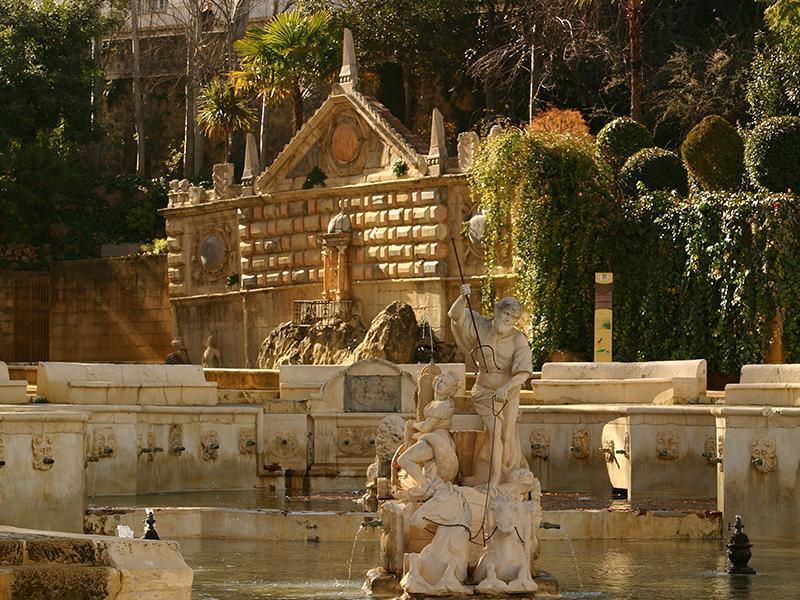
(297, 108)
(635, 35)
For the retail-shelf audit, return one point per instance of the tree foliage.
(655, 169)
(714, 154)
(222, 112)
(288, 58)
(772, 154)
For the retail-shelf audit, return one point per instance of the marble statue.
(505, 564)
(503, 359)
(478, 503)
(441, 568)
(211, 355)
(431, 460)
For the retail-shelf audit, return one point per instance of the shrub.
(657, 169)
(772, 154)
(560, 120)
(622, 138)
(714, 154)
(538, 189)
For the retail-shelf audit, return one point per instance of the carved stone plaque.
(372, 393)
(344, 142)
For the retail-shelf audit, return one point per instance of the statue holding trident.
(503, 358)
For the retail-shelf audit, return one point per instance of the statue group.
(471, 490)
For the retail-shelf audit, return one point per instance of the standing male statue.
(504, 364)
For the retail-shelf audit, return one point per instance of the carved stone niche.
(721, 451)
(209, 445)
(284, 446)
(762, 455)
(356, 441)
(668, 445)
(247, 441)
(540, 443)
(345, 138)
(369, 386)
(104, 442)
(211, 254)
(581, 439)
(42, 447)
(2, 453)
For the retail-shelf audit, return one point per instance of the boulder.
(324, 343)
(392, 336)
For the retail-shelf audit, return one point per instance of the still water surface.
(608, 570)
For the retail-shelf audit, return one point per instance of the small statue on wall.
(211, 354)
(179, 354)
(388, 437)
(42, 447)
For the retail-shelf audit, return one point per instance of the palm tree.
(287, 58)
(221, 112)
(633, 25)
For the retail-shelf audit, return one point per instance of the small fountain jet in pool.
(739, 550)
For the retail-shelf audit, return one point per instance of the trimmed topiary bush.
(772, 154)
(657, 169)
(714, 154)
(622, 138)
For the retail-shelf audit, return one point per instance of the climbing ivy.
(696, 277)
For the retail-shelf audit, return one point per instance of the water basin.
(608, 570)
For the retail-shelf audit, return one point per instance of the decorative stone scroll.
(580, 447)
(763, 457)
(104, 442)
(247, 441)
(285, 446)
(540, 443)
(42, 447)
(209, 445)
(356, 441)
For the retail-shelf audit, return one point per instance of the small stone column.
(343, 273)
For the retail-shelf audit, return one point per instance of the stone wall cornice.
(355, 189)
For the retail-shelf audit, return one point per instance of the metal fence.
(308, 312)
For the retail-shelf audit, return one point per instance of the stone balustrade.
(766, 385)
(11, 391)
(125, 384)
(659, 382)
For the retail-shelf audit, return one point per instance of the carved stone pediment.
(350, 136)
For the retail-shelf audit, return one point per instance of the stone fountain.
(459, 509)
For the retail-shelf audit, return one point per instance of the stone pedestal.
(757, 479)
(662, 451)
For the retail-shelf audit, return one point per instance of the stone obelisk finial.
(438, 150)
(348, 75)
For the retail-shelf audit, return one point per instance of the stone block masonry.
(395, 234)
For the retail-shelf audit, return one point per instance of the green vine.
(702, 277)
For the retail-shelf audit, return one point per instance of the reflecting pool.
(605, 570)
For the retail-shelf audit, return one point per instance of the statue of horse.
(441, 568)
(505, 566)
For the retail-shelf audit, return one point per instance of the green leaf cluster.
(702, 276)
(655, 169)
(620, 139)
(772, 154)
(547, 201)
(714, 154)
